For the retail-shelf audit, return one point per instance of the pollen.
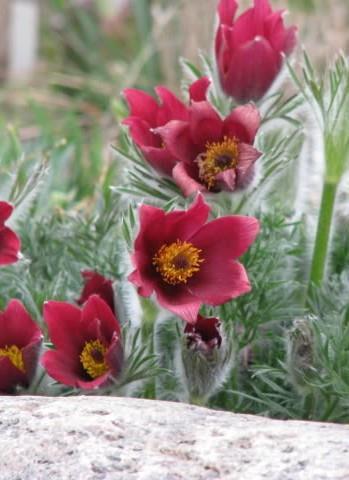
(92, 358)
(219, 156)
(14, 354)
(177, 262)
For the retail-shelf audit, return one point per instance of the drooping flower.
(188, 262)
(20, 341)
(203, 335)
(146, 115)
(88, 350)
(95, 283)
(249, 49)
(213, 154)
(9, 242)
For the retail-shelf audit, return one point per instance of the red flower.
(188, 262)
(204, 334)
(146, 114)
(214, 154)
(249, 49)
(88, 343)
(20, 340)
(9, 242)
(99, 285)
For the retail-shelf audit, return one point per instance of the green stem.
(323, 233)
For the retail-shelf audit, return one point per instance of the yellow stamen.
(219, 156)
(93, 358)
(14, 354)
(177, 262)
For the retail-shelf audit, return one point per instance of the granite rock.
(102, 438)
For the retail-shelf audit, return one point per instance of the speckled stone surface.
(97, 438)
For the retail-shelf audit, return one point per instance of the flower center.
(93, 358)
(14, 354)
(219, 156)
(177, 262)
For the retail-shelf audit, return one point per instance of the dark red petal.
(5, 212)
(176, 136)
(171, 107)
(198, 89)
(140, 132)
(141, 105)
(247, 158)
(95, 283)
(242, 123)
(63, 367)
(10, 245)
(281, 39)
(205, 124)
(17, 327)
(225, 238)
(184, 176)
(99, 320)
(160, 159)
(178, 300)
(180, 225)
(143, 281)
(10, 376)
(98, 382)
(64, 326)
(219, 281)
(253, 68)
(226, 11)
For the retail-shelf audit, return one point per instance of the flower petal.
(17, 327)
(171, 107)
(245, 167)
(198, 89)
(226, 180)
(226, 11)
(5, 212)
(176, 136)
(10, 376)
(141, 105)
(98, 320)
(205, 124)
(160, 159)
(140, 132)
(66, 369)
(184, 176)
(64, 326)
(10, 245)
(253, 68)
(243, 123)
(178, 300)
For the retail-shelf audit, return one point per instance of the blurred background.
(63, 64)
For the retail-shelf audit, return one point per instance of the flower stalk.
(323, 232)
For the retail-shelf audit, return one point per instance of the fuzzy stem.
(323, 233)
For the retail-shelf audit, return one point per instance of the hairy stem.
(323, 233)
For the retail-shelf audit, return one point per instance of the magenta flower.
(9, 242)
(96, 284)
(203, 335)
(188, 262)
(249, 50)
(213, 154)
(20, 341)
(146, 115)
(88, 350)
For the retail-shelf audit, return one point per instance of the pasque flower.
(249, 49)
(203, 335)
(95, 283)
(146, 115)
(188, 262)
(9, 242)
(213, 154)
(88, 350)
(20, 341)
